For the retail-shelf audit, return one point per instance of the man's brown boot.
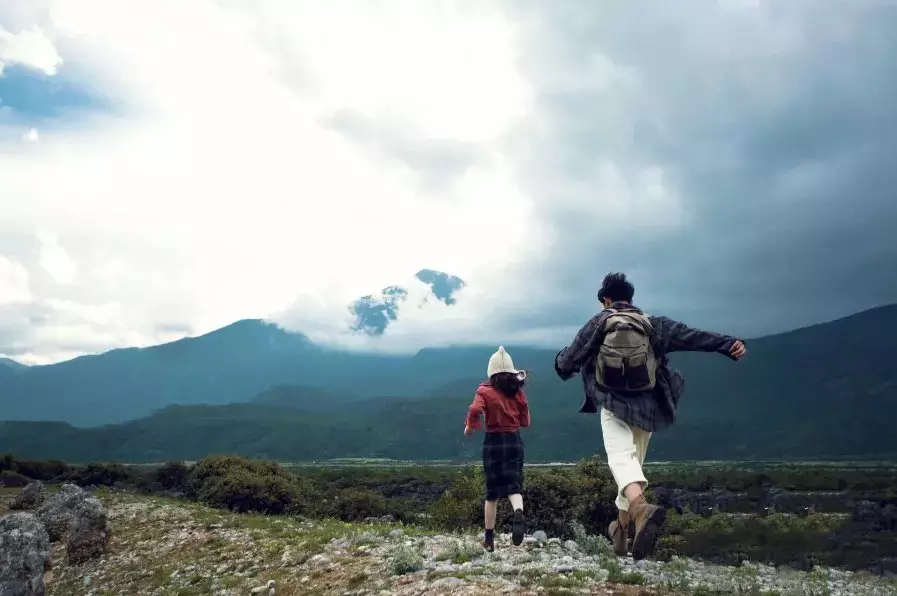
(648, 519)
(618, 532)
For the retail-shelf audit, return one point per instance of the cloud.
(14, 281)
(735, 159)
(216, 188)
(30, 48)
(280, 159)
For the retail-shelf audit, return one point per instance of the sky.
(169, 167)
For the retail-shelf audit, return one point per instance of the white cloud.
(55, 260)
(280, 158)
(30, 48)
(13, 282)
(215, 190)
(31, 135)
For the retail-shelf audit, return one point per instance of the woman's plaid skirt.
(503, 464)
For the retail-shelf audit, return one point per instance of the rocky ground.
(165, 547)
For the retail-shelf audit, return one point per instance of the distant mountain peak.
(374, 312)
(10, 363)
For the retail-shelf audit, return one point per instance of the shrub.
(461, 506)
(594, 504)
(12, 479)
(42, 470)
(173, 476)
(95, 474)
(550, 499)
(406, 559)
(242, 485)
(355, 504)
(460, 552)
(591, 544)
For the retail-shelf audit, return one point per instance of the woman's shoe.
(517, 528)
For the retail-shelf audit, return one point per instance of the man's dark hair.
(508, 384)
(616, 287)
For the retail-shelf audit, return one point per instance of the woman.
(502, 400)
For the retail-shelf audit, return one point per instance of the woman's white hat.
(500, 362)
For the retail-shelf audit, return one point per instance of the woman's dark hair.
(616, 287)
(508, 384)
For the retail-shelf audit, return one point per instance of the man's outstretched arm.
(679, 337)
(571, 359)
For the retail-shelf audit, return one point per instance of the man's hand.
(467, 431)
(738, 350)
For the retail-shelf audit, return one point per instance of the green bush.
(355, 504)
(173, 476)
(550, 500)
(42, 470)
(95, 474)
(242, 485)
(461, 506)
(10, 479)
(406, 560)
(594, 504)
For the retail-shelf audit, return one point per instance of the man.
(622, 355)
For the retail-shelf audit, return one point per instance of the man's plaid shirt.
(651, 411)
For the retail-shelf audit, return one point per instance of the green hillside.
(825, 391)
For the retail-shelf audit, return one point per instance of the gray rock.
(541, 537)
(570, 545)
(508, 570)
(397, 533)
(24, 555)
(56, 512)
(88, 534)
(564, 568)
(29, 498)
(448, 582)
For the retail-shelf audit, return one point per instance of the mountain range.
(825, 391)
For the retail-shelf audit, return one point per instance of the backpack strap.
(639, 319)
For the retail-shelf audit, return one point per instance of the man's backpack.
(626, 361)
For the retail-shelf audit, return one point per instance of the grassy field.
(791, 514)
(171, 547)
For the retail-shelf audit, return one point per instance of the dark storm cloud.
(775, 128)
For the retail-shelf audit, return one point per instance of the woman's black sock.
(490, 535)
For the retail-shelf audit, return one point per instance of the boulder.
(30, 497)
(88, 534)
(24, 555)
(56, 512)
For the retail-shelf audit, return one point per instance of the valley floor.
(166, 547)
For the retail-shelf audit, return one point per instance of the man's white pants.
(626, 447)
